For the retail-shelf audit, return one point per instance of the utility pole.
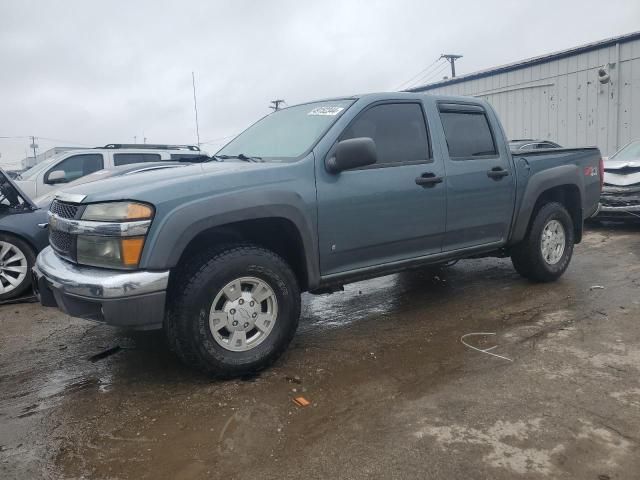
(33, 146)
(195, 106)
(275, 105)
(135, 139)
(452, 60)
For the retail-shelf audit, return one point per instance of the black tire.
(527, 257)
(29, 254)
(193, 292)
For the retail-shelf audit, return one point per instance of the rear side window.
(398, 129)
(78, 166)
(468, 134)
(128, 158)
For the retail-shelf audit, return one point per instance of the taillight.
(601, 172)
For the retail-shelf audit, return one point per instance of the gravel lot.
(393, 391)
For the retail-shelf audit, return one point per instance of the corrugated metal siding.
(562, 100)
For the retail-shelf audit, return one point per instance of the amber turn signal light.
(138, 211)
(131, 251)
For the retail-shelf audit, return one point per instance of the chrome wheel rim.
(243, 314)
(553, 242)
(13, 267)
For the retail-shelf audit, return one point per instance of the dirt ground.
(393, 391)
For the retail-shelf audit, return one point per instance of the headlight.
(113, 235)
(117, 212)
(109, 252)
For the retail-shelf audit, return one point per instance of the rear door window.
(129, 158)
(468, 134)
(78, 166)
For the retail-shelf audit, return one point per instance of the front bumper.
(132, 299)
(619, 203)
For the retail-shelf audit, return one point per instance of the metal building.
(588, 95)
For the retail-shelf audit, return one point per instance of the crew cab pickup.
(307, 199)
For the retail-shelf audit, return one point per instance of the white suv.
(71, 165)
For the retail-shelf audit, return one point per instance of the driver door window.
(77, 166)
(399, 131)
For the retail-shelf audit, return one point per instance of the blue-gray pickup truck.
(307, 199)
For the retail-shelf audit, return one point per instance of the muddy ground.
(393, 391)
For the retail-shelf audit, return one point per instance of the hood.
(622, 172)
(158, 186)
(13, 193)
(27, 186)
(621, 164)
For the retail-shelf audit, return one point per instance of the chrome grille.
(63, 209)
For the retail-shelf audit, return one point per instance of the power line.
(432, 76)
(424, 79)
(26, 137)
(424, 70)
(65, 141)
(437, 75)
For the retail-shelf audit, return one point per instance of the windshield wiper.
(240, 156)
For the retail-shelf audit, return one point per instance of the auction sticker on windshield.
(329, 111)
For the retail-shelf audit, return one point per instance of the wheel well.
(569, 196)
(21, 238)
(276, 234)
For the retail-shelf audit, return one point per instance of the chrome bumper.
(130, 299)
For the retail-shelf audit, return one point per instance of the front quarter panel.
(25, 226)
(284, 191)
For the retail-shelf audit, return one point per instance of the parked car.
(13, 173)
(620, 198)
(74, 164)
(23, 225)
(530, 144)
(20, 238)
(309, 198)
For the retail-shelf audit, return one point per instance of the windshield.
(36, 169)
(630, 152)
(287, 133)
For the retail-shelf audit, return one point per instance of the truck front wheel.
(234, 310)
(544, 254)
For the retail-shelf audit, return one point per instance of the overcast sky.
(89, 73)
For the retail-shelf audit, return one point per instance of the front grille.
(620, 197)
(62, 243)
(63, 209)
(619, 202)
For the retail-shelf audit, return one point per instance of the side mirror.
(57, 176)
(353, 153)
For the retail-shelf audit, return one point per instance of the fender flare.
(168, 239)
(539, 183)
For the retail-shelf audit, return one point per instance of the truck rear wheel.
(544, 254)
(234, 310)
